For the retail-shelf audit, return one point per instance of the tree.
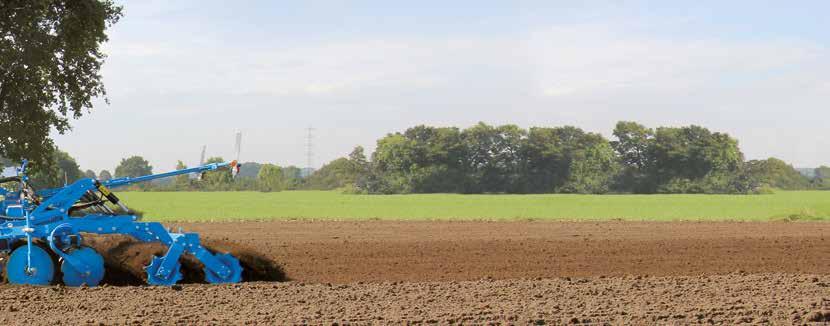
(181, 181)
(64, 171)
(592, 168)
(361, 169)
(358, 158)
(270, 177)
(104, 175)
(50, 59)
(485, 158)
(217, 180)
(432, 160)
(775, 173)
(68, 169)
(567, 159)
(292, 177)
(633, 145)
(822, 178)
(134, 166)
(347, 173)
(335, 174)
(90, 174)
(423, 159)
(439, 160)
(492, 164)
(393, 161)
(695, 160)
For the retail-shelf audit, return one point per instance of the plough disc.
(92, 268)
(33, 267)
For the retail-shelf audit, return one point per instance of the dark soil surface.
(377, 251)
(479, 272)
(722, 299)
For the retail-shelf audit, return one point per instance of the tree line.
(499, 159)
(509, 159)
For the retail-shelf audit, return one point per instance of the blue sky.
(182, 74)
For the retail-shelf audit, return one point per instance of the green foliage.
(422, 159)
(694, 160)
(181, 181)
(775, 173)
(634, 147)
(822, 177)
(333, 175)
(764, 190)
(292, 178)
(134, 166)
(393, 161)
(104, 175)
(508, 159)
(592, 169)
(487, 159)
(270, 178)
(493, 162)
(64, 171)
(633, 144)
(68, 169)
(220, 180)
(208, 206)
(90, 174)
(567, 159)
(340, 173)
(50, 60)
(677, 160)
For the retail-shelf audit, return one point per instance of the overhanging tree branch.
(39, 40)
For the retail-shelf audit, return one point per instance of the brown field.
(479, 272)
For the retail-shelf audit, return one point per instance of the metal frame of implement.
(53, 220)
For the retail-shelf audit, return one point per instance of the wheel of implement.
(40, 272)
(92, 262)
(232, 264)
(153, 269)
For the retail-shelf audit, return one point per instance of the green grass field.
(215, 206)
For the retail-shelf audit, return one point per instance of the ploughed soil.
(479, 272)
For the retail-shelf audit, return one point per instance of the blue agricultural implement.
(44, 232)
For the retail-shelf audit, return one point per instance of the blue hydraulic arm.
(113, 183)
(120, 182)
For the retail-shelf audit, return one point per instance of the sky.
(183, 74)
